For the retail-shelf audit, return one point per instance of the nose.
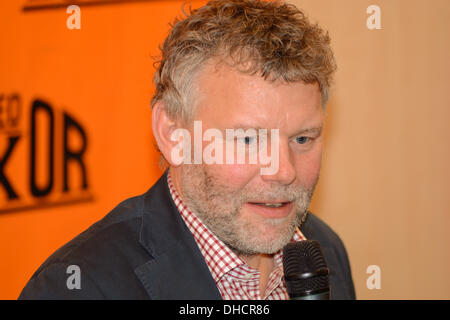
(286, 173)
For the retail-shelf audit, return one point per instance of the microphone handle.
(318, 296)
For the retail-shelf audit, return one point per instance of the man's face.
(250, 212)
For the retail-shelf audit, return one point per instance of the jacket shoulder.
(106, 252)
(317, 229)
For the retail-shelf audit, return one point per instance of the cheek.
(308, 167)
(234, 176)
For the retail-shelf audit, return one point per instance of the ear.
(163, 128)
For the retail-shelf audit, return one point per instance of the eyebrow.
(312, 130)
(245, 128)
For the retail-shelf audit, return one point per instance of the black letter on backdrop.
(3, 160)
(35, 190)
(76, 155)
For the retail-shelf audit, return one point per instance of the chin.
(272, 236)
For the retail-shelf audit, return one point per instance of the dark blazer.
(143, 250)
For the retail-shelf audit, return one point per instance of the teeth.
(273, 205)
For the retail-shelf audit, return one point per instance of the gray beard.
(218, 207)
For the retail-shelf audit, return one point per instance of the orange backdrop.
(101, 76)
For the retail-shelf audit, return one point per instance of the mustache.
(287, 195)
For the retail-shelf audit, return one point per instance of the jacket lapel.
(177, 269)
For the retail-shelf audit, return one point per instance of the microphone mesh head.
(304, 268)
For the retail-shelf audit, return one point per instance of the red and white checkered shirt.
(235, 279)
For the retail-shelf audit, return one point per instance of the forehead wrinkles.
(278, 104)
(227, 74)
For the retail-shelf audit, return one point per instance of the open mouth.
(270, 205)
(274, 210)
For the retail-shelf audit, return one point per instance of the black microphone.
(305, 271)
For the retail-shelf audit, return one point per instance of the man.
(234, 74)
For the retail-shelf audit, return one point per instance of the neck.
(264, 264)
(176, 180)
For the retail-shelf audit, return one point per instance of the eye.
(248, 139)
(302, 140)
